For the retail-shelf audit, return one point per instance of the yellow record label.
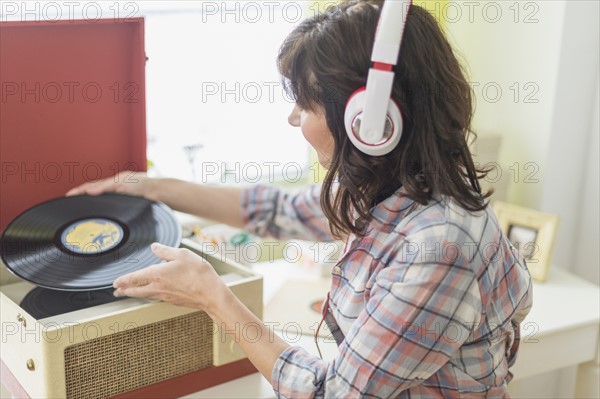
(92, 236)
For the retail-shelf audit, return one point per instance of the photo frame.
(531, 232)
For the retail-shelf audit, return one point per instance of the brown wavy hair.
(327, 57)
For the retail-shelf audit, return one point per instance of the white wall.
(587, 236)
(519, 55)
(548, 145)
(570, 154)
(556, 137)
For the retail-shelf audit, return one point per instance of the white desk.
(560, 332)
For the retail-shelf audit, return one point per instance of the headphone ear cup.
(354, 108)
(352, 115)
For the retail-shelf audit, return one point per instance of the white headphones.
(372, 118)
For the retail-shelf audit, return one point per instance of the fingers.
(78, 190)
(164, 252)
(124, 182)
(134, 292)
(172, 281)
(145, 276)
(138, 284)
(139, 278)
(95, 188)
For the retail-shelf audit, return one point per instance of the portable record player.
(64, 334)
(122, 346)
(73, 110)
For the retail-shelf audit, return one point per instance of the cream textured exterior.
(44, 341)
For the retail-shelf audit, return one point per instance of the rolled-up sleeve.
(269, 211)
(298, 374)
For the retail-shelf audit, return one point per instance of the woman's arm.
(188, 280)
(262, 210)
(221, 204)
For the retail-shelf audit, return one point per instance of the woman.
(428, 295)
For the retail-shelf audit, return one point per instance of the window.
(214, 89)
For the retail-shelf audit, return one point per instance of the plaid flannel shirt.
(426, 304)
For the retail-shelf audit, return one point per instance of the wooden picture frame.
(531, 232)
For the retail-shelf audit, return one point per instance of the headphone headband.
(390, 30)
(386, 48)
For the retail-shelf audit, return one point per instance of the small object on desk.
(233, 243)
(293, 306)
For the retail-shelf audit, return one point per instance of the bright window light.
(217, 111)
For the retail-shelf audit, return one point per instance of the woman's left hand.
(185, 279)
(188, 280)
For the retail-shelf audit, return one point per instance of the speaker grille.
(137, 357)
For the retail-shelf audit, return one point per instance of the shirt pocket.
(469, 387)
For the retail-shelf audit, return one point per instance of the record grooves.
(42, 302)
(85, 242)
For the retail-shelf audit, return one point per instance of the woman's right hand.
(221, 204)
(126, 182)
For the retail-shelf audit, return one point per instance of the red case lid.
(72, 106)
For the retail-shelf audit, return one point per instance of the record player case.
(51, 143)
(72, 109)
(116, 349)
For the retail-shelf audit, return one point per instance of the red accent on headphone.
(382, 66)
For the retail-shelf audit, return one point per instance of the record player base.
(172, 388)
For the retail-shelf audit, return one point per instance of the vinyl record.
(42, 302)
(85, 242)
